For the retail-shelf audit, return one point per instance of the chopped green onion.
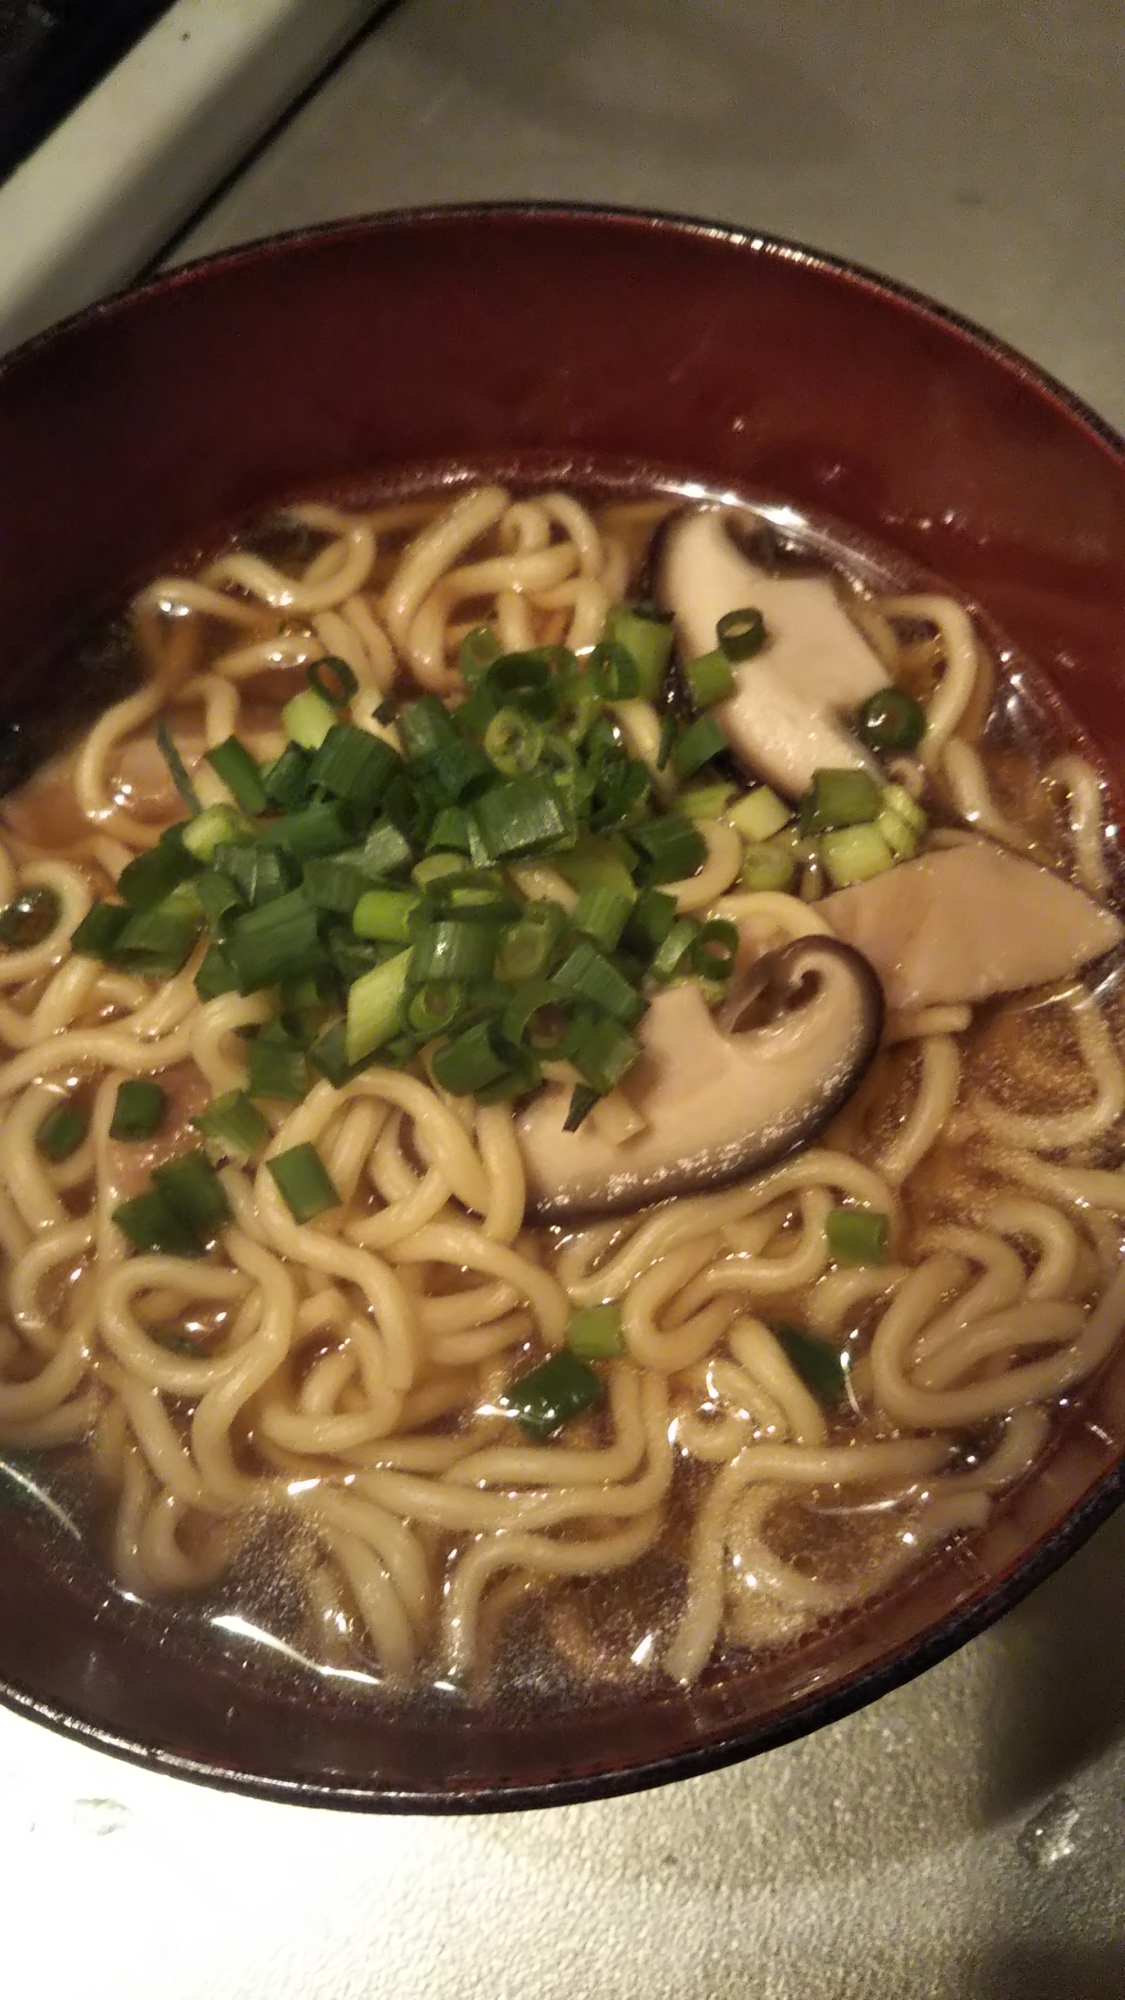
(386, 915)
(374, 1005)
(649, 922)
(472, 1061)
(514, 742)
(582, 1101)
(332, 882)
(839, 798)
(701, 740)
(899, 835)
(671, 959)
(99, 930)
(672, 848)
(303, 1182)
(522, 1074)
(213, 827)
(218, 897)
(597, 861)
(231, 761)
(647, 636)
(710, 679)
(354, 766)
(602, 1052)
(890, 720)
(277, 1065)
(30, 919)
(274, 942)
(478, 650)
(315, 830)
(667, 741)
(334, 679)
(551, 1395)
(286, 782)
(216, 975)
(330, 1054)
(594, 1333)
(433, 867)
(821, 1367)
(260, 872)
(759, 815)
(520, 817)
(450, 830)
(194, 1192)
(307, 720)
(897, 799)
(766, 867)
(706, 801)
(154, 1226)
(538, 1017)
(151, 876)
(453, 949)
(858, 1235)
(177, 768)
(742, 633)
(158, 940)
(138, 1110)
(386, 850)
(61, 1132)
(527, 949)
(714, 949)
(434, 1007)
(589, 975)
(601, 912)
(614, 673)
(233, 1122)
(424, 725)
(855, 854)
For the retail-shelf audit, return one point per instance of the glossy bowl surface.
(548, 341)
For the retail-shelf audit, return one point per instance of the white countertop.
(964, 1839)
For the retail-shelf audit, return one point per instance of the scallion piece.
(231, 1121)
(701, 740)
(334, 679)
(514, 742)
(153, 1226)
(232, 763)
(472, 1060)
(330, 1054)
(211, 828)
(151, 876)
(274, 942)
(99, 930)
(672, 848)
(261, 873)
(821, 1367)
(138, 1109)
(194, 1192)
(454, 949)
(614, 673)
(839, 798)
(594, 1333)
(891, 720)
(582, 1101)
(710, 679)
(158, 940)
(61, 1132)
(433, 1008)
(671, 960)
(855, 854)
(601, 912)
(333, 882)
(177, 768)
(714, 949)
(647, 636)
(386, 915)
(315, 830)
(590, 976)
(218, 897)
(216, 975)
(277, 1066)
(286, 782)
(303, 1182)
(386, 851)
(858, 1235)
(759, 815)
(526, 950)
(766, 867)
(354, 766)
(706, 801)
(649, 922)
(374, 1006)
(741, 633)
(307, 720)
(602, 1052)
(552, 1395)
(539, 1017)
(520, 817)
(478, 650)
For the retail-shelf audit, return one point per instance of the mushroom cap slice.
(788, 715)
(964, 923)
(717, 1103)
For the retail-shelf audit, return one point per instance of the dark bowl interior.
(562, 342)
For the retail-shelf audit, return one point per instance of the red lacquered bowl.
(544, 342)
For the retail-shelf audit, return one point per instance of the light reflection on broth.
(305, 1436)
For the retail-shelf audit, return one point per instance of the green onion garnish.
(614, 673)
(601, 913)
(855, 854)
(839, 798)
(672, 848)
(277, 1065)
(759, 815)
(549, 1396)
(646, 635)
(709, 679)
(701, 740)
(138, 1109)
(177, 768)
(61, 1132)
(891, 720)
(232, 762)
(193, 1191)
(602, 1052)
(520, 817)
(742, 633)
(594, 1333)
(453, 950)
(769, 867)
(821, 1367)
(216, 975)
(714, 949)
(286, 782)
(354, 766)
(151, 876)
(334, 679)
(479, 648)
(590, 976)
(232, 1122)
(274, 942)
(386, 915)
(307, 720)
(473, 1060)
(154, 1226)
(303, 1182)
(99, 930)
(514, 742)
(374, 1003)
(212, 828)
(858, 1235)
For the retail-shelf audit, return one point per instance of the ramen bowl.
(567, 345)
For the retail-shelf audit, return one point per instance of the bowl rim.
(1010, 1586)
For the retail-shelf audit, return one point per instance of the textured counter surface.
(965, 1838)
